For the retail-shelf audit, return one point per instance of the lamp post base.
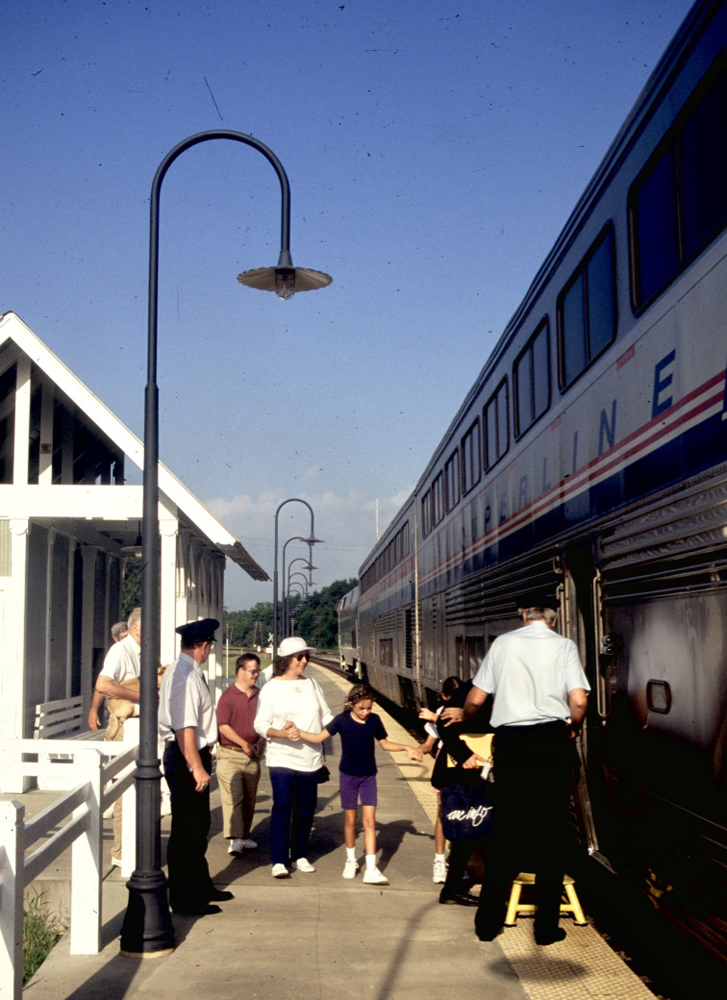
(147, 931)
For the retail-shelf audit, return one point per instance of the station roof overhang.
(110, 512)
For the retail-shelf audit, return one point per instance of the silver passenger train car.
(591, 455)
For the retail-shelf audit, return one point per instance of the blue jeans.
(295, 796)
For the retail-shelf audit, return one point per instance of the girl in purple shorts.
(359, 729)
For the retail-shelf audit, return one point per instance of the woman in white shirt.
(288, 703)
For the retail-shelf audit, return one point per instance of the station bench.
(63, 719)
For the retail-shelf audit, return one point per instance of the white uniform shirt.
(530, 673)
(123, 662)
(302, 703)
(184, 701)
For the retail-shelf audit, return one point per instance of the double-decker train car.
(346, 610)
(591, 455)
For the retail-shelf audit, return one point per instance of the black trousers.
(533, 774)
(190, 884)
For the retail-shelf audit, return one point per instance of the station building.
(68, 522)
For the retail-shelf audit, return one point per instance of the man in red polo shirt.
(238, 753)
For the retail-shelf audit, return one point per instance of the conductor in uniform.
(540, 697)
(188, 727)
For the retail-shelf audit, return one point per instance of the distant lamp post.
(309, 583)
(312, 540)
(308, 567)
(309, 543)
(304, 584)
(147, 928)
(302, 593)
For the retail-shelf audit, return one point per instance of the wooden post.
(12, 880)
(85, 935)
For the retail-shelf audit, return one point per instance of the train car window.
(531, 378)
(471, 463)
(497, 425)
(451, 481)
(426, 513)
(678, 203)
(655, 218)
(438, 499)
(703, 156)
(587, 310)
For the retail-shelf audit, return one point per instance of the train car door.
(581, 621)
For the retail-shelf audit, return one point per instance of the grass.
(41, 931)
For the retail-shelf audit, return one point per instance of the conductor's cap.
(200, 631)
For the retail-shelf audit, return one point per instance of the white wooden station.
(67, 522)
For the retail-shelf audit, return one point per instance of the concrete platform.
(318, 936)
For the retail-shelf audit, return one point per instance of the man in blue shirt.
(540, 697)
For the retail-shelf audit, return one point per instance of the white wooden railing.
(105, 771)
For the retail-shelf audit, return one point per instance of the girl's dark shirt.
(358, 747)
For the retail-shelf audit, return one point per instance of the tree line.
(314, 617)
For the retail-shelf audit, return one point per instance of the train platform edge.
(319, 935)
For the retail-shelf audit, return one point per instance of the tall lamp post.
(311, 541)
(147, 928)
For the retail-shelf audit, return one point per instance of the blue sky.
(434, 148)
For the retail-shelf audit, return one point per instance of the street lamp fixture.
(147, 929)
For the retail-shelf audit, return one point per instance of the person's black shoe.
(203, 910)
(457, 898)
(485, 933)
(549, 937)
(220, 896)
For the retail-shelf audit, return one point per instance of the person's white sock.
(350, 854)
(439, 857)
(370, 860)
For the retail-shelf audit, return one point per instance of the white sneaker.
(372, 876)
(439, 872)
(303, 865)
(350, 868)
(249, 844)
(236, 846)
(280, 871)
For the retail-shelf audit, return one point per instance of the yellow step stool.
(570, 903)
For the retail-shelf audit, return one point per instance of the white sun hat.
(294, 644)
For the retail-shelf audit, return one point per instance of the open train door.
(581, 621)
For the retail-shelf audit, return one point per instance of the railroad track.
(330, 661)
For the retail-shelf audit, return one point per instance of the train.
(589, 459)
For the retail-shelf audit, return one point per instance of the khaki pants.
(118, 737)
(237, 776)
